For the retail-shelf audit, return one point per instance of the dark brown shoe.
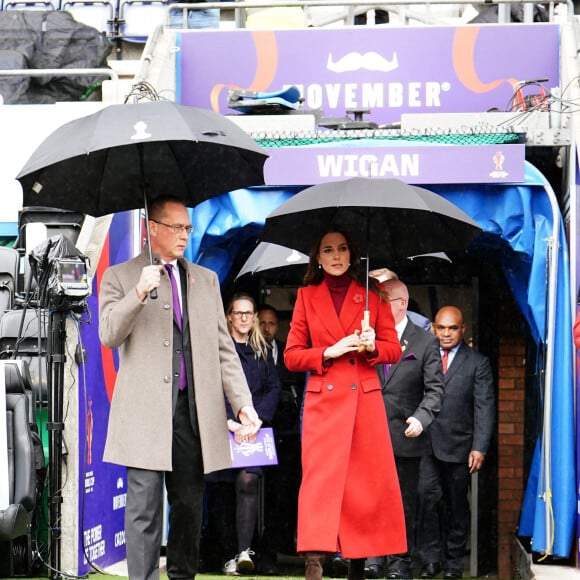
(313, 565)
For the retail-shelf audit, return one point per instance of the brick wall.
(510, 435)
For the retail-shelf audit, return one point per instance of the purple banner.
(388, 71)
(102, 486)
(414, 164)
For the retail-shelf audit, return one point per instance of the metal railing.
(421, 13)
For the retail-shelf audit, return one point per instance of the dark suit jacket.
(287, 417)
(413, 387)
(287, 377)
(467, 418)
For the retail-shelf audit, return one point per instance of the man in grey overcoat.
(168, 421)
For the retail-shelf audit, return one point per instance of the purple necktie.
(386, 370)
(178, 320)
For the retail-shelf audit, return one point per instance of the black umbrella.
(105, 162)
(123, 156)
(390, 219)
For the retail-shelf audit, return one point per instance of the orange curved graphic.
(464, 61)
(267, 64)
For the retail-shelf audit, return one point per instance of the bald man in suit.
(460, 439)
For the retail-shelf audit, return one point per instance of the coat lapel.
(351, 313)
(322, 302)
(457, 361)
(406, 347)
(187, 282)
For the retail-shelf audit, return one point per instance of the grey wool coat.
(140, 421)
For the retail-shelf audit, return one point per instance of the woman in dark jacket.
(258, 364)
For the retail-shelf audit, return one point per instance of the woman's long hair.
(256, 339)
(315, 274)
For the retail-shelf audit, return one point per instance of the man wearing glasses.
(412, 392)
(168, 421)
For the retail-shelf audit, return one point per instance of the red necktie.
(178, 320)
(444, 359)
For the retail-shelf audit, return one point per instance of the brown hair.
(314, 274)
(157, 206)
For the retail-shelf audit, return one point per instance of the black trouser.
(144, 509)
(408, 473)
(443, 492)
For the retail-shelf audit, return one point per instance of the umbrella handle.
(153, 293)
(364, 324)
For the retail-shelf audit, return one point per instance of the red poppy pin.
(358, 298)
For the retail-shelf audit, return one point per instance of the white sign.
(22, 129)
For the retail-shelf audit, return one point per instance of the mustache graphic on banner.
(371, 61)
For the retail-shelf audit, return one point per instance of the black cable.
(527, 103)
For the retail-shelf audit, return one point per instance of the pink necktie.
(178, 320)
(444, 359)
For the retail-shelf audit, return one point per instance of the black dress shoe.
(374, 571)
(430, 570)
(452, 575)
(338, 567)
(268, 570)
(398, 575)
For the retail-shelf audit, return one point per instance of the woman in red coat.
(349, 499)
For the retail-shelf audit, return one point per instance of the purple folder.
(261, 452)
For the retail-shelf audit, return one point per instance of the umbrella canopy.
(109, 161)
(270, 256)
(390, 219)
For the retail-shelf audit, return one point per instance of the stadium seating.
(16, 517)
(20, 340)
(96, 13)
(140, 17)
(31, 5)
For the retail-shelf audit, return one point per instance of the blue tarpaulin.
(521, 216)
